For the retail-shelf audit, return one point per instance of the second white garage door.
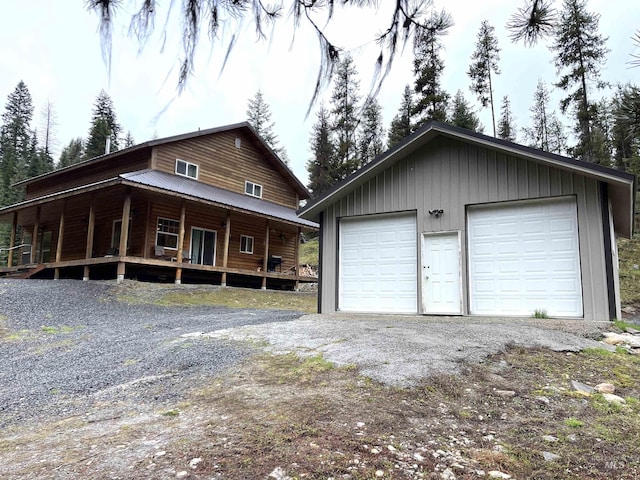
(378, 264)
(525, 257)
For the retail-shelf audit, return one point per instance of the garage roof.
(621, 185)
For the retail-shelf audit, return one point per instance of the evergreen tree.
(401, 125)
(506, 125)
(580, 54)
(625, 130)
(49, 123)
(103, 125)
(371, 135)
(546, 131)
(129, 140)
(72, 153)
(344, 112)
(16, 143)
(484, 61)
(431, 99)
(462, 114)
(321, 167)
(259, 117)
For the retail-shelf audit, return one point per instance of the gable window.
(186, 169)
(253, 189)
(167, 233)
(246, 244)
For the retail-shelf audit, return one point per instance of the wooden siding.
(451, 175)
(223, 165)
(89, 173)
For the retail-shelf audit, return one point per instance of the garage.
(378, 264)
(524, 257)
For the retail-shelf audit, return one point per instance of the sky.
(57, 51)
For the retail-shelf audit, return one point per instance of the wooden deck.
(120, 267)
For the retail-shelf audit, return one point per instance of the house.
(214, 206)
(457, 223)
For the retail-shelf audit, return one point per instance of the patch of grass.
(171, 413)
(629, 256)
(53, 330)
(573, 423)
(624, 325)
(540, 313)
(309, 252)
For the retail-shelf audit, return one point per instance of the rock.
(572, 438)
(447, 474)
(543, 400)
(629, 309)
(581, 388)
(375, 451)
(279, 474)
(549, 438)
(418, 457)
(611, 398)
(498, 474)
(622, 338)
(379, 473)
(194, 463)
(613, 338)
(505, 393)
(161, 453)
(632, 331)
(550, 457)
(604, 388)
(182, 474)
(360, 424)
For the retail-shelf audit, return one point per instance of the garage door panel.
(378, 264)
(526, 257)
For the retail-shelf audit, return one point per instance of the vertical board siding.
(451, 175)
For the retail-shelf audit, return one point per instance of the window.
(167, 233)
(246, 244)
(253, 189)
(186, 169)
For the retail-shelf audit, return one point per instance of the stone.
(182, 474)
(418, 457)
(391, 448)
(279, 474)
(550, 457)
(632, 331)
(193, 464)
(604, 388)
(505, 393)
(447, 474)
(581, 388)
(360, 424)
(572, 438)
(543, 400)
(611, 398)
(499, 474)
(549, 438)
(611, 338)
(375, 451)
(161, 453)
(379, 473)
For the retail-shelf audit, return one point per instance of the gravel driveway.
(67, 344)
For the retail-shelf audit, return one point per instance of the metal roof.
(192, 188)
(621, 184)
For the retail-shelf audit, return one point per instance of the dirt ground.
(281, 416)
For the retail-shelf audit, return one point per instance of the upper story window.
(186, 169)
(167, 233)
(253, 189)
(246, 244)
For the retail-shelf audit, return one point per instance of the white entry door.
(441, 273)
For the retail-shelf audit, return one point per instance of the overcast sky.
(56, 50)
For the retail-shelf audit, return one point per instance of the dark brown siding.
(221, 164)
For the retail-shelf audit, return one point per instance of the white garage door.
(525, 257)
(378, 264)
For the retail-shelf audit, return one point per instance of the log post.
(12, 239)
(266, 258)
(34, 237)
(178, 280)
(59, 243)
(91, 225)
(297, 259)
(124, 234)
(225, 253)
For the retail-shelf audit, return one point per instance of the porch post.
(266, 258)
(90, 229)
(180, 242)
(296, 257)
(225, 253)
(56, 274)
(34, 236)
(124, 234)
(12, 239)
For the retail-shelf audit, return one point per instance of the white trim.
(252, 244)
(423, 237)
(253, 186)
(187, 165)
(215, 243)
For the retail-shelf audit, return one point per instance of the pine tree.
(625, 131)
(371, 133)
(546, 131)
(72, 153)
(506, 125)
(484, 61)
(103, 125)
(129, 141)
(431, 99)
(321, 167)
(401, 125)
(16, 143)
(49, 123)
(259, 117)
(580, 54)
(344, 112)
(462, 115)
